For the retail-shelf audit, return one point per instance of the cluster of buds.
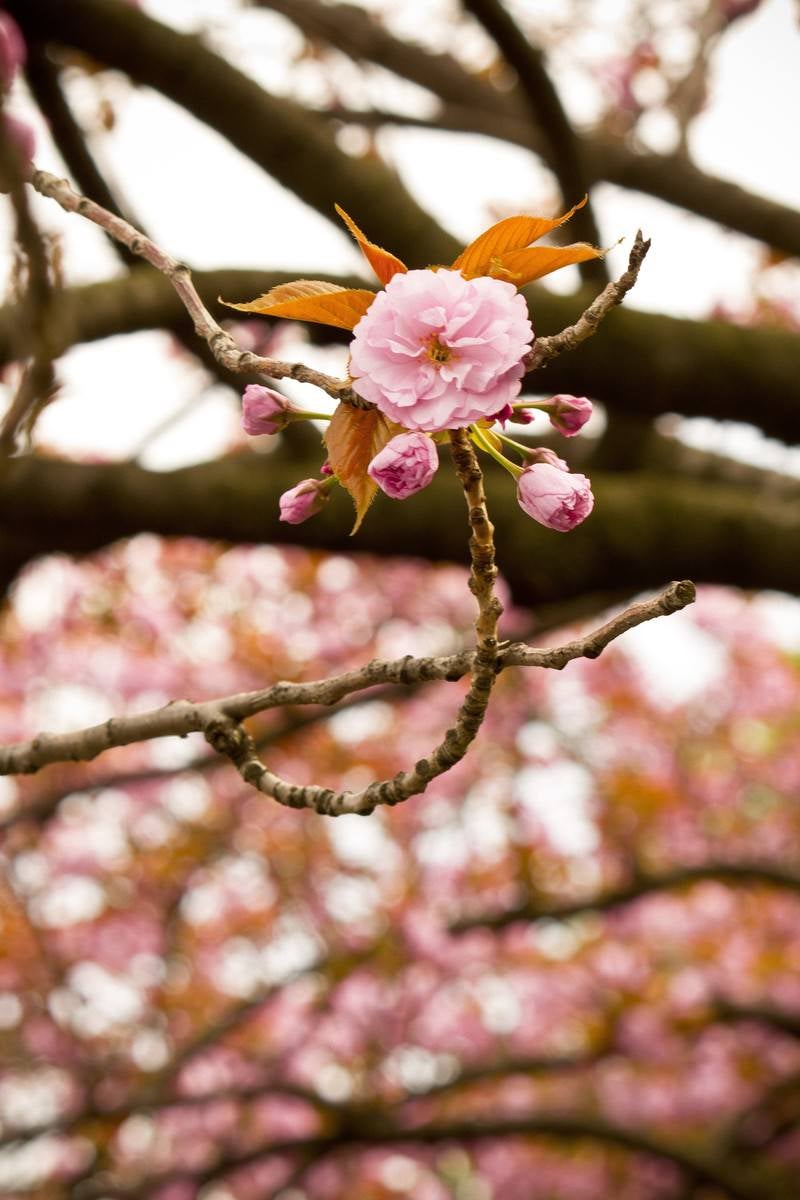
(18, 134)
(438, 350)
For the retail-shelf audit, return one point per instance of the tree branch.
(698, 368)
(702, 1170)
(547, 113)
(290, 143)
(473, 105)
(221, 344)
(539, 908)
(547, 348)
(181, 717)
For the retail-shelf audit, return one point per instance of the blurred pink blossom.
(438, 351)
(12, 50)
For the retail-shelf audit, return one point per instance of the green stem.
(297, 414)
(483, 442)
(517, 445)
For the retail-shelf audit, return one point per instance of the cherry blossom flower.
(554, 497)
(438, 351)
(405, 465)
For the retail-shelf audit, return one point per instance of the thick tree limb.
(182, 717)
(546, 112)
(697, 368)
(473, 105)
(735, 1183)
(644, 526)
(289, 142)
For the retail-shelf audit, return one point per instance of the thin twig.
(229, 738)
(612, 294)
(182, 716)
(224, 348)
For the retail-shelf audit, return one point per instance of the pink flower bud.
(522, 416)
(263, 410)
(568, 414)
(12, 50)
(302, 501)
(405, 465)
(554, 497)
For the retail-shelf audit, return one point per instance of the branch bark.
(472, 105)
(536, 909)
(217, 718)
(546, 111)
(645, 526)
(697, 368)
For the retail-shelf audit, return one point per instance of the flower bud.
(263, 410)
(12, 50)
(554, 497)
(568, 414)
(405, 465)
(304, 500)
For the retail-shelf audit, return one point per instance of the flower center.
(438, 353)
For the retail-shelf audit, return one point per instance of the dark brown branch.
(290, 143)
(36, 314)
(547, 114)
(749, 874)
(43, 80)
(701, 1169)
(697, 368)
(473, 105)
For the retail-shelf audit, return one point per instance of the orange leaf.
(523, 266)
(311, 300)
(513, 233)
(353, 438)
(384, 264)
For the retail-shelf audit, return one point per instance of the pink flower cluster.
(437, 351)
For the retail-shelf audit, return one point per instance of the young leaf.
(514, 233)
(353, 438)
(384, 264)
(311, 300)
(522, 266)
